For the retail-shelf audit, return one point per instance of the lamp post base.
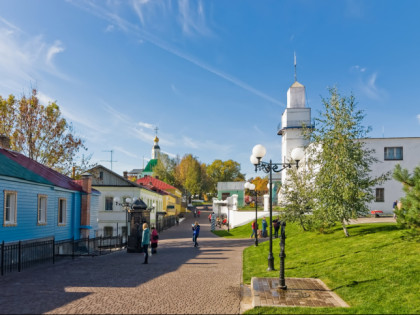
(283, 287)
(270, 263)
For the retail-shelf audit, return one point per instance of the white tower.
(156, 147)
(294, 117)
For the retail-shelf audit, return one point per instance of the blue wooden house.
(38, 202)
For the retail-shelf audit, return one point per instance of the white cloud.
(192, 18)
(371, 89)
(56, 48)
(109, 28)
(358, 68)
(190, 143)
(418, 118)
(145, 125)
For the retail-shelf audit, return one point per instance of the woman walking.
(145, 240)
(154, 240)
(196, 232)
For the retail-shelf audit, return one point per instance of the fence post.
(53, 249)
(100, 246)
(72, 250)
(19, 256)
(88, 247)
(2, 258)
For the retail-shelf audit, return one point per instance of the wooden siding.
(27, 207)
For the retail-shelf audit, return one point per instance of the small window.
(101, 175)
(10, 208)
(108, 231)
(225, 195)
(62, 211)
(380, 195)
(109, 203)
(393, 153)
(42, 209)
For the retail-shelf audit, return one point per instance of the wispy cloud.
(124, 25)
(145, 125)
(192, 18)
(175, 90)
(357, 68)
(24, 58)
(190, 143)
(418, 118)
(371, 89)
(128, 153)
(109, 28)
(56, 48)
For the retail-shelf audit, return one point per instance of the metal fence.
(165, 222)
(21, 255)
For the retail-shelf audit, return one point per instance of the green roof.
(151, 165)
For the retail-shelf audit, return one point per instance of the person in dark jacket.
(196, 233)
(154, 240)
(145, 240)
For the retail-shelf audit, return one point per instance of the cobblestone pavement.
(179, 279)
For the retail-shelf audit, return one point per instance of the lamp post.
(251, 187)
(258, 152)
(126, 204)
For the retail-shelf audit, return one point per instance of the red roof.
(152, 181)
(54, 177)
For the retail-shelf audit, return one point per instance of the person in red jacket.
(254, 228)
(154, 240)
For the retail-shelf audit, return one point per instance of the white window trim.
(13, 214)
(63, 223)
(40, 221)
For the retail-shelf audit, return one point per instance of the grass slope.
(375, 271)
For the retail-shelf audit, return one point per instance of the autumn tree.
(165, 169)
(39, 132)
(188, 173)
(223, 171)
(343, 183)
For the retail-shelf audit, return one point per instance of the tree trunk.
(345, 228)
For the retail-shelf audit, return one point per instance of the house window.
(10, 208)
(124, 231)
(108, 231)
(380, 195)
(101, 175)
(393, 153)
(109, 203)
(42, 209)
(62, 211)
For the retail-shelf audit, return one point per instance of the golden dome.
(156, 139)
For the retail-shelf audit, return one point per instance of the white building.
(388, 151)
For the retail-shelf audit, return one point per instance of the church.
(388, 151)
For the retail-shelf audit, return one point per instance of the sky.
(211, 75)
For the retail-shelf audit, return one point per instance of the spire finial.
(295, 66)
(156, 130)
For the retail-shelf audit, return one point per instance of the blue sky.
(211, 75)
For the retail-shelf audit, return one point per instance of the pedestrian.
(276, 224)
(198, 213)
(264, 227)
(154, 240)
(254, 228)
(196, 232)
(209, 217)
(145, 240)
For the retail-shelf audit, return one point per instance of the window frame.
(13, 205)
(108, 228)
(39, 214)
(63, 221)
(112, 203)
(393, 158)
(381, 193)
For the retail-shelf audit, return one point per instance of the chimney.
(73, 172)
(125, 174)
(85, 205)
(4, 142)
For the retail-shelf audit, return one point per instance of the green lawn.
(374, 270)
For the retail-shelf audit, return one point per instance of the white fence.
(236, 218)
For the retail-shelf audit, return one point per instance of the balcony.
(294, 124)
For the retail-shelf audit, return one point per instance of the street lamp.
(258, 152)
(126, 204)
(251, 187)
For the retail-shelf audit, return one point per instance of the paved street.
(179, 279)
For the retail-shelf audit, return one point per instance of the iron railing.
(16, 256)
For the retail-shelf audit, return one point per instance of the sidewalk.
(179, 279)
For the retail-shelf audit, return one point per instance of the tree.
(343, 185)
(165, 169)
(223, 171)
(188, 173)
(298, 194)
(409, 214)
(39, 132)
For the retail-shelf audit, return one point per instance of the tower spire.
(295, 66)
